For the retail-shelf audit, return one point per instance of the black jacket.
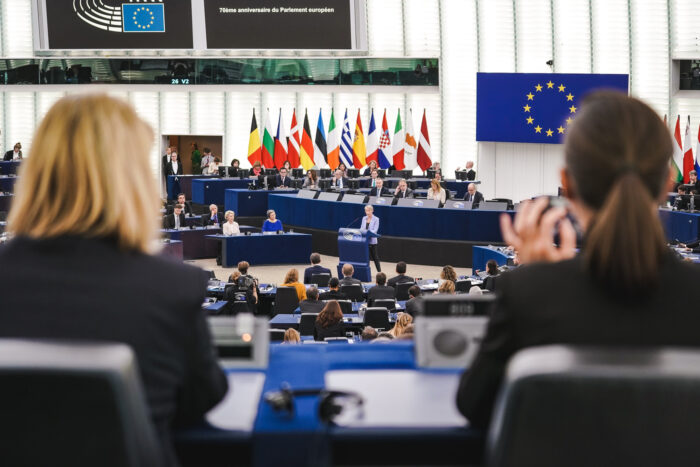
(560, 303)
(316, 269)
(334, 330)
(478, 197)
(169, 221)
(471, 175)
(150, 303)
(399, 279)
(413, 306)
(349, 281)
(375, 191)
(9, 155)
(332, 295)
(287, 181)
(334, 182)
(169, 169)
(206, 219)
(311, 306)
(407, 194)
(379, 292)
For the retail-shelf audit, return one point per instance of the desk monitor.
(270, 171)
(223, 171)
(354, 198)
(242, 173)
(324, 173)
(418, 203)
(353, 184)
(461, 175)
(324, 184)
(241, 341)
(402, 174)
(431, 173)
(493, 206)
(381, 173)
(457, 305)
(298, 173)
(329, 196)
(307, 194)
(352, 173)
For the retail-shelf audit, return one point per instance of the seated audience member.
(402, 190)
(342, 168)
(187, 205)
(413, 302)
(205, 163)
(235, 166)
(625, 288)
(283, 180)
(475, 290)
(368, 334)
(348, 271)
(681, 203)
(384, 336)
(473, 196)
(334, 292)
(312, 303)
(272, 224)
(436, 191)
(469, 168)
(448, 273)
(380, 189)
(436, 167)
(371, 167)
(15, 154)
(407, 334)
(230, 226)
(214, 217)
(176, 220)
(448, 287)
(249, 285)
(373, 177)
(381, 290)
(257, 169)
(329, 322)
(493, 272)
(693, 176)
(339, 180)
(101, 220)
(174, 167)
(292, 280)
(402, 320)
(213, 168)
(233, 278)
(311, 180)
(291, 336)
(288, 165)
(315, 268)
(400, 276)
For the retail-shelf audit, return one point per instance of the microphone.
(356, 219)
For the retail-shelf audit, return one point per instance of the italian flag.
(333, 143)
(397, 147)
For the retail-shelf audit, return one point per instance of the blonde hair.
(292, 276)
(90, 174)
(227, 213)
(402, 322)
(435, 185)
(292, 336)
(447, 287)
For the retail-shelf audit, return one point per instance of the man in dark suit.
(693, 176)
(315, 268)
(311, 304)
(176, 220)
(283, 179)
(214, 217)
(381, 290)
(472, 195)
(339, 182)
(379, 190)
(15, 154)
(402, 190)
(401, 275)
(333, 293)
(174, 167)
(348, 271)
(186, 205)
(413, 302)
(471, 174)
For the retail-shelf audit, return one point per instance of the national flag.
(688, 161)
(384, 145)
(359, 151)
(425, 153)
(697, 153)
(254, 153)
(268, 144)
(410, 160)
(306, 150)
(293, 147)
(372, 141)
(320, 148)
(280, 144)
(346, 143)
(677, 161)
(333, 143)
(140, 18)
(399, 142)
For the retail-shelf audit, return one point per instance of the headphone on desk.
(330, 406)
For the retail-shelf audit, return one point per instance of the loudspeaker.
(448, 342)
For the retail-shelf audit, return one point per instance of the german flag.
(307, 146)
(254, 152)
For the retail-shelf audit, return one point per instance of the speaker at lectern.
(353, 248)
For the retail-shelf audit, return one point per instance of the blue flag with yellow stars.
(534, 107)
(143, 17)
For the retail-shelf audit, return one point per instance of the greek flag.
(346, 143)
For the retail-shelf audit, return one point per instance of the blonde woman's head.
(88, 169)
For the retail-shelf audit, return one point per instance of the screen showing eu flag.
(534, 107)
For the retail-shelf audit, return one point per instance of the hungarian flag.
(677, 161)
(254, 154)
(333, 143)
(293, 147)
(320, 150)
(425, 154)
(280, 144)
(697, 153)
(410, 145)
(384, 145)
(346, 143)
(306, 151)
(359, 150)
(688, 161)
(372, 141)
(399, 141)
(268, 144)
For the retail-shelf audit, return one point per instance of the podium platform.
(353, 248)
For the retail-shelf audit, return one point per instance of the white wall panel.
(572, 36)
(239, 114)
(146, 105)
(611, 45)
(385, 28)
(17, 28)
(533, 35)
(175, 113)
(208, 113)
(496, 36)
(422, 19)
(685, 21)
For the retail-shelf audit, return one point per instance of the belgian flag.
(254, 150)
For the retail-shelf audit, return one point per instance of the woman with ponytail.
(624, 288)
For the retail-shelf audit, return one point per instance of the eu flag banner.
(534, 107)
(143, 17)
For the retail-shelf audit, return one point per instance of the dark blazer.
(375, 191)
(147, 302)
(471, 175)
(560, 303)
(187, 207)
(334, 182)
(311, 306)
(169, 169)
(316, 269)
(405, 194)
(334, 330)
(379, 292)
(9, 155)
(399, 279)
(169, 221)
(413, 306)
(478, 197)
(490, 283)
(333, 295)
(349, 281)
(206, 219)
(287, 181)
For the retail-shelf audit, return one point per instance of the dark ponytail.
(617, 155)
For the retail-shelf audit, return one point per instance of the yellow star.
(526, 108)
(530, 120)
(561, 88)
(570, 97)
(538, 129)
(560, 129)
(568, 121)
(530, 96)
(572, 109)
(538, 88)
(550, 85)
(549, 132)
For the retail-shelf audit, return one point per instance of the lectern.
(353, 248)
